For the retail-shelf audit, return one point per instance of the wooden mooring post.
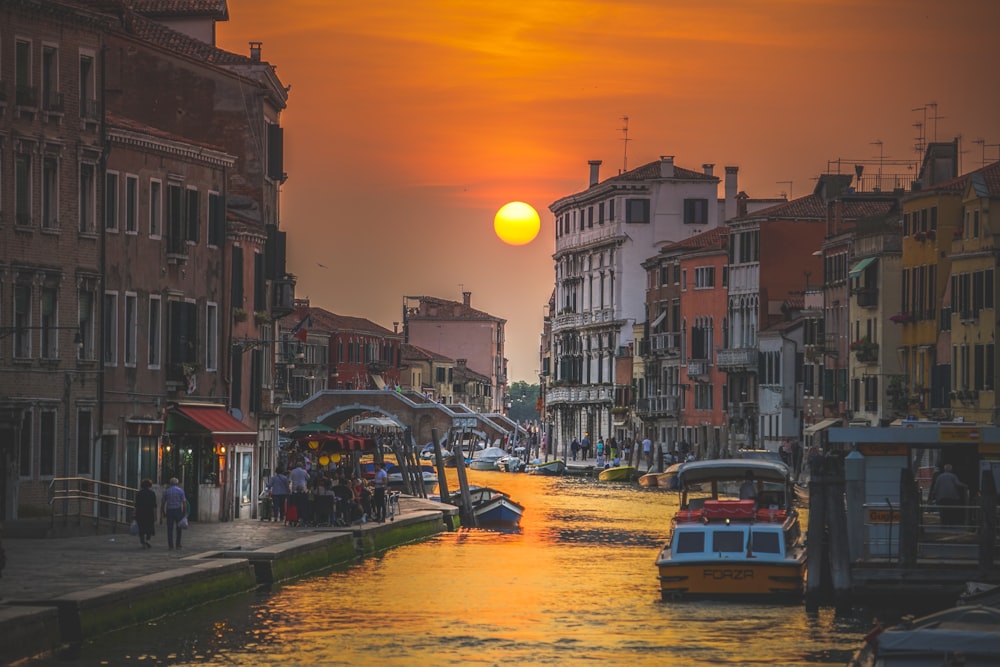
(439, 464)
(465, 509)
(828, 559)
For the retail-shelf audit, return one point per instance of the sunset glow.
(407, 121)
(516, 223)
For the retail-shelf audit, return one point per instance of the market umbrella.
(303, 430)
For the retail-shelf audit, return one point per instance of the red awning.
(213, 420)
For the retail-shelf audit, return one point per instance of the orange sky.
(410, 123)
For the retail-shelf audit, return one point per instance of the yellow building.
(973, 319)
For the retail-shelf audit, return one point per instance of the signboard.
(960, 434)
(873, 449)
(883, 516)
(464, 422)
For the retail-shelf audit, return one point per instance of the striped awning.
(860, 266)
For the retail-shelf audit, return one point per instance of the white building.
(603, 235)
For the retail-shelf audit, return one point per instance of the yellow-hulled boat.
(617, 474)
(724, 547)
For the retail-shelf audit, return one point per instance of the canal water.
(575, 586)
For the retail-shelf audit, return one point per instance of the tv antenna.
(934, 116)
(789, 184)
(982, 143)
(625, 141)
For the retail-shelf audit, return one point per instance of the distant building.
(459, 331)
(427, 372)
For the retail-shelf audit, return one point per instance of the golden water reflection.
(577, 585)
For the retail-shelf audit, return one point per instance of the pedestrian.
(280, 487)
(299, 479)
(173, 508)
(585, 446)
(574, 448)
(647, 453)
(381, 481)
(949, 492)
(748, 489)
(600, 447)
(613, 446)
(145, 512)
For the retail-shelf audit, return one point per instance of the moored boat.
(553, 467)
(490, 507)
(649, 480)
(725, 547)
(617, 474)
(510, 463)
(486, 459)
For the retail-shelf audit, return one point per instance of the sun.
(516, 223)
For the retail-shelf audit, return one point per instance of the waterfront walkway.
(47, 568)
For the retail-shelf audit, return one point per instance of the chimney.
(461, 363)
(731, 188)
(255, 51)
(467, 298)
(595, 170)
(708, 168)
(666, 166)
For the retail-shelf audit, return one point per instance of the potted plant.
(239, 315)
(261, 317)
(901, 318)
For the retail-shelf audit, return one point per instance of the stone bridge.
(412, 410)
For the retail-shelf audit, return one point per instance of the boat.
(963, 635)
(486, 459)
(510, 463)
(723, 547)
(553, 467)
(617, 474)
(649, 480)
(395, 480)
(490, 507)
(668, 478)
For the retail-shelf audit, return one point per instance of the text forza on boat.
(723, 546)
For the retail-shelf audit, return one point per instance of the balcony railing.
(580, 394)
(88, 109)
(26, 96)
(665, 343)
(657, 405)
(567, 321)
(283, 302)
(739, 358)
(52, 101)
(867, 297)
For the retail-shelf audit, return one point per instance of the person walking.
(949, 492)
(381, 481)
(145, 512)
(585, 446)
(280, 488)
(647, 453)
(299, 478)
(173, 508)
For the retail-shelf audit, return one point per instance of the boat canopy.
(696, 472)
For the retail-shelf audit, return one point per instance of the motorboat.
(490, 507)
(722, 546)
(510, 463)
(486, 459)
(617, 474)
(553, 467)
(668, 478)
(963, 635)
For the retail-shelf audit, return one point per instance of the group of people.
(604, 452)
(326, 497)
(173, 508)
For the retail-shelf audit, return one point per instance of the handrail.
(85, 497)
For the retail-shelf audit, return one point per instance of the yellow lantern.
(335, 458)
(324, 460)
(314, 444)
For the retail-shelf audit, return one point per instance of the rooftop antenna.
(921, 138)
(625, 141)
(934, 116)
(919, 146)
(789, 184)
(881, 157)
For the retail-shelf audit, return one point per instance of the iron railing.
(81, 498)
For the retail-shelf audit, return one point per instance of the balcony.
(657, 405)
(283, 301)
(580, 394)
(697, 368)
(665, 343)
(52, 102)
(737, 359)
(867, 297)
(26, 96)
(567, 320)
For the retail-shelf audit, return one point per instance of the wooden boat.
(724, 547)
(667, 479)
(649, 480)
(553, 467)
(486, 459)
(617, 474)
(490, 507)
(510, 463)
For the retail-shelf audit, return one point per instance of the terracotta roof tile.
(160, 35)
(415, 352)
(715, 237)
(180, 8)
(433, 308)
(814, 207)
(651, 171)
(324, 320)
(122, 123)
